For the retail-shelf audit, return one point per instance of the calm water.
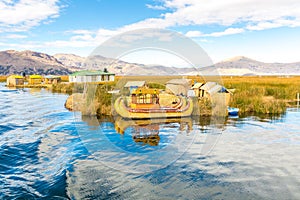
(48, 152)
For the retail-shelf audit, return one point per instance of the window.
(94, 78)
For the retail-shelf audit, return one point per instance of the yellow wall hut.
(35, 79)
(52, 79)
(14, 80)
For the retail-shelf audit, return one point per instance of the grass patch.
(267, 95)
(261, 95)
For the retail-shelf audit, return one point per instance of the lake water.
(48, 152)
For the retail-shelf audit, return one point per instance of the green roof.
(90, 73)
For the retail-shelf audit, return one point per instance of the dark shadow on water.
(268, 118)
(16, 161)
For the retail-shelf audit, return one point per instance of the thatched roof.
(180, 81)
(213, 87)
(197, 85)
(134, 84)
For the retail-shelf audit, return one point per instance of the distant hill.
(241, 65)
(116, 66)
(30, 62)
(70, 60)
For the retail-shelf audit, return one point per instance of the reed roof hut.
(35, 79)
(14, 80)
(132, 85)
(51, 79)
(178, 86)
(212, 89)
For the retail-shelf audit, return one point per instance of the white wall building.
(91, 77)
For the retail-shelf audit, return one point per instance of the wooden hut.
(14, 80)
(178, 86)
(52, 79)
(132, 85)
(35, 79)
(210, 89)
(196, 87)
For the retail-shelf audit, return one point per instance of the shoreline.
(253, 95)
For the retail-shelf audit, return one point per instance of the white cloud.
(194, 34)
(84, 37)
(25, 14)
(205, 41)
(15, 36)
(20, 46)
(229, 31)
(275, 24)
(79, 31)
(247, 14)
(227, 13)
(155, 7)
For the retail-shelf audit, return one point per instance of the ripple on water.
(42, 156)
(4, 129)
(30, 166)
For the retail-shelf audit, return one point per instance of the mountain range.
(241, 65)
(30, 62)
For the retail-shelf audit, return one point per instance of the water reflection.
(91, 121)
(153, 131)
(46, 155)
(146, 132)
(246, 163)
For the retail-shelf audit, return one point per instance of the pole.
(298, 99)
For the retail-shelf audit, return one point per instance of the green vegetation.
(68, 88)
(202, 107)
(260, 95)
(156, 85)
(267, 95)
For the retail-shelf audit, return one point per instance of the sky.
(264, 30)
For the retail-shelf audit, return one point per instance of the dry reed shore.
(253, 94)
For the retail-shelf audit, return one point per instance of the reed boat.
(145, 103)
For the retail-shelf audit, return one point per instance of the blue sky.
(265, 30)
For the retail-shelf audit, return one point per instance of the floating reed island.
(32, 81)
(252, 95)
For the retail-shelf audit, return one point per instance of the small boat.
(145, 103)
(232, 111)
